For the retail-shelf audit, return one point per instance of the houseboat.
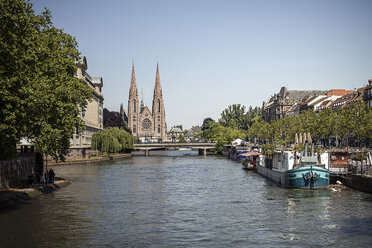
(292, 169)
(250, 161)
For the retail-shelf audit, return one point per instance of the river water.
(178, 199)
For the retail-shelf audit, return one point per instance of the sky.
(213, 54)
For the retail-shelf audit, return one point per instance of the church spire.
(133, 87)
(157, 89)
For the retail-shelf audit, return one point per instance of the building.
(80, 145)
(320, 102)
(193, 134)
(175, 133)
(279, 104)
(367, 97)
(147, 125)
(348, 99)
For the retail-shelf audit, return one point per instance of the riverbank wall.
(12, 196)
(358, 182)
(90, 160)
(17, 171)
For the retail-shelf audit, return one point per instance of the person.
(50, 176)
(31, 181)
(53, 174)
(46, 178)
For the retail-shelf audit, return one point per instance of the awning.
(251, 153)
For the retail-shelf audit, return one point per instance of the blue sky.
(213, 54)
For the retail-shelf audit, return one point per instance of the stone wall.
(359, 182)
(16, 172)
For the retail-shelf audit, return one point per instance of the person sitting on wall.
(31, 181)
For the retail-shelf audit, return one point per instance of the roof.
(176, 130)
(339, 92)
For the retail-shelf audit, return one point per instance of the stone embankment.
(15, 196)
(90, 160)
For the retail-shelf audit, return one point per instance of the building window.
(146, 124)
(158, 128)
(158, 105)
(134, 106)
(134, 129)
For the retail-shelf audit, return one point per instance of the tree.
(39, 96)
(205, 122)
(112, 140)
(234, 116)
(214, 131)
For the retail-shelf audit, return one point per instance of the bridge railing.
(170, 144)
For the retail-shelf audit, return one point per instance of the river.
(179, 199)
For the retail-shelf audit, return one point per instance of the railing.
(339, 168)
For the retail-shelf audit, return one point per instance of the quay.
(15, 196)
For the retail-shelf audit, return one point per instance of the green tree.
(39, 96)
(112, 140)
(221, 135)
(234, 116)
(325, 125)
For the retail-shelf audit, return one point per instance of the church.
(146, 125)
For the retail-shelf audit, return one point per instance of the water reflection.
(183, 200)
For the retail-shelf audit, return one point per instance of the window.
(146, 124)
(158, 128)
(158, 105)
(134, 106)
(134, 129)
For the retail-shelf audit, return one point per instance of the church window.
(134, 106)
(158, 105)
(134, 129)
(146, 124)
(158, 128)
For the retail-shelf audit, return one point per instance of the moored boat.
(250, 160)
(311, 172)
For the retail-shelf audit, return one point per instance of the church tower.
(133, 106)
(158, 111)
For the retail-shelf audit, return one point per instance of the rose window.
(146, 124)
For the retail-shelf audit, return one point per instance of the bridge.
(202, 147)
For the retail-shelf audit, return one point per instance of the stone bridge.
(202, 147)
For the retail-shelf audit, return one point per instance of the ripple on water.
(190, 201)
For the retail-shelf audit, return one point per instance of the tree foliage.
(222, 135)
(236, 116)
(39, 96)
(112, 140)
(354, 120)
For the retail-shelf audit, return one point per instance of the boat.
(184, 149)
(311, 172)
(237, 153)
(250, 160)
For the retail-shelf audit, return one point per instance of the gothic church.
(148, 126)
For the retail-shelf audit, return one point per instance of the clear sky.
(214, 53)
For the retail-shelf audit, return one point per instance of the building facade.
(368, 94)
(282, 104)
(147, 125)
(80, 145)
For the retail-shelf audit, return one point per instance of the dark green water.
(180, 200)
